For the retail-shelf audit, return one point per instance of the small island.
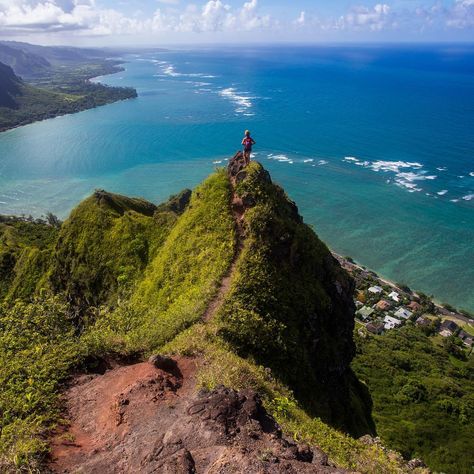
(37, 83)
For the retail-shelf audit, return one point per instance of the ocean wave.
(468, 197)
(471, 173)
(309, 160)
(442, 192)
(241, 100)
(280, 158)
(394, 166)
(322, 162)
(441, 168)
(217, 162)
(169, 70)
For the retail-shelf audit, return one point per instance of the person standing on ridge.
(247, 143)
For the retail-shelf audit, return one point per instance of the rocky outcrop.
(143, 419)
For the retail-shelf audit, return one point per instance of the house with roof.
(365, 312)
(375, 289)
(468, 341)
(383, 305)
(391, 322)
(402, 313)
(375, 327)
(415, 306)
(448, 328)
(423, 322)
(394, 296)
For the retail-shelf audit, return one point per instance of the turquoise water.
(374, 144)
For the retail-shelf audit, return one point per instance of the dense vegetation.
(48, 90)
(423, 397)
(26, 246)
(123, 278)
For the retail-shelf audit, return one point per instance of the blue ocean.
(375, 144)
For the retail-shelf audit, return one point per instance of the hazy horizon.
(146, 23)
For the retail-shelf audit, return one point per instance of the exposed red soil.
(105, 410)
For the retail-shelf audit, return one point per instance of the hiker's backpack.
(247, 143)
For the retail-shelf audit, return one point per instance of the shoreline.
(88, 80)
(350, 266)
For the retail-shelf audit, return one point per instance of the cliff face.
(291, 304)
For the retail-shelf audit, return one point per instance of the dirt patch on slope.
(110, 410)
(140, 419)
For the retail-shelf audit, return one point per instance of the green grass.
(105, 246)
(37, 349)
(182, 278)
(25, 250)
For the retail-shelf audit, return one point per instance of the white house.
(403, 313)
(391, 323)
(395, 296)
(375, 289)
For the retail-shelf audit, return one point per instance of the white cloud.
(301, 20)
(365, 18)
(85, 15)
(462, 14)
(88, 18)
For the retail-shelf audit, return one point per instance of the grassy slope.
(104, 245)
(25, 252)
(423, 398)
(181, 279)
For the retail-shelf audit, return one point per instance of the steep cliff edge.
(229, 278)
(291, 305)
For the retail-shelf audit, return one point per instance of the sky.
(164, 22)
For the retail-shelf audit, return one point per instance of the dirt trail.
(238, 211)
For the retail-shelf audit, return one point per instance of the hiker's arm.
(253, 141)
